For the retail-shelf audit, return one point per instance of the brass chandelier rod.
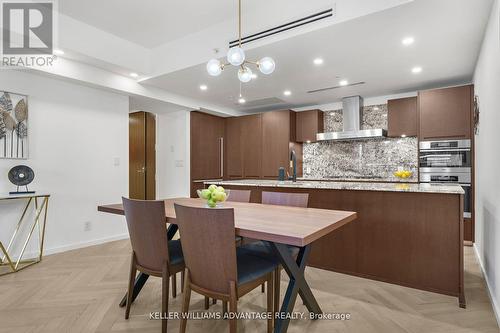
(239, 23)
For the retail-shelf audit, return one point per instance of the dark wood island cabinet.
(406, 234)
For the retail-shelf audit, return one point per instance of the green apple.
(221, 189)
(219, 196)
(212, 188)
(211, 203)
(206, 194)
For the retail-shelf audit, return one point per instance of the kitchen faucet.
(293, 165)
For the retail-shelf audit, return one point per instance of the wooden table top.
(280, 224)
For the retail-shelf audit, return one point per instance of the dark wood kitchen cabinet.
(251, 143)
(233, 158)
(278, 131)
(445, 113)
(256, 146)
(207, 133)
(402, 117)
(243, 147)
(309, 123)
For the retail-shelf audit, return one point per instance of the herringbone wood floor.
(79, 291)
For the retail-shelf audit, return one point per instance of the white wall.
(487, 86)
(76, 133)
(173, 154)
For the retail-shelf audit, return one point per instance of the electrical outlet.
(116, 161)
(87, 226)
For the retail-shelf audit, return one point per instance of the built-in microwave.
(445, 154)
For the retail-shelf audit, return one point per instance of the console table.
(39, 203)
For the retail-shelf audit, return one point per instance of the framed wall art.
(13, 125)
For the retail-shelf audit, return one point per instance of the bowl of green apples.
(214, 195)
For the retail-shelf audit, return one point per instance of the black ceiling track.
(284, 27)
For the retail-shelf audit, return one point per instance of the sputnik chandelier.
(236, 57)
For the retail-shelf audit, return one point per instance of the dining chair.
(239, 195)
(152, 253)
(234, 196)
(262, 248)
(215, 267)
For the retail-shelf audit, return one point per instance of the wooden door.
(445, 113)
(233, 166)
(251, 142)
(402, 117)
(275, 142)
(142, 155)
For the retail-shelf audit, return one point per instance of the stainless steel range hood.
(352, 109)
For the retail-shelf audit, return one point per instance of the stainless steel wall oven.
(444, 162)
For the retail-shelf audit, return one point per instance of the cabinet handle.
(221, 147)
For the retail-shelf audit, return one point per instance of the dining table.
(278, 226)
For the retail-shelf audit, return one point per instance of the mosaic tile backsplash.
(374, 159)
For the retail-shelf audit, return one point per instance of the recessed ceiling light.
(254, 76)
(287, 92)
(416, 70)
(403, 135)
(134, 75)
(203, 87)
(308, 141)
(344, 82)
(58, 52)
(241, 100)
(407, 41)
(318, 61)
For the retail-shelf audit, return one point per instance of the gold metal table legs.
(7, 263)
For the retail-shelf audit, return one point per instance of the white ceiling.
(447, 42)
(151, 23)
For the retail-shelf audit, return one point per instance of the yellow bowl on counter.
(403, 174)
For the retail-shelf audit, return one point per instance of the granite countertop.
(355, 186)
(412, 180)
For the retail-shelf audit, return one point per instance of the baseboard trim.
(69, 247)
(496, 308)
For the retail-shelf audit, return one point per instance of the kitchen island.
(406, 234)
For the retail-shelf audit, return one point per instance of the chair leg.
(233, 307)
(263, 287)
(207, 301)
(277, 286)
(174, 285)
(224, 307)
(130, 291)
(270, 307)
(182, 281)
(165, 281)
(185, 304)
(214, 301)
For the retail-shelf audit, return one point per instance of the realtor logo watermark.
(27, 33)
